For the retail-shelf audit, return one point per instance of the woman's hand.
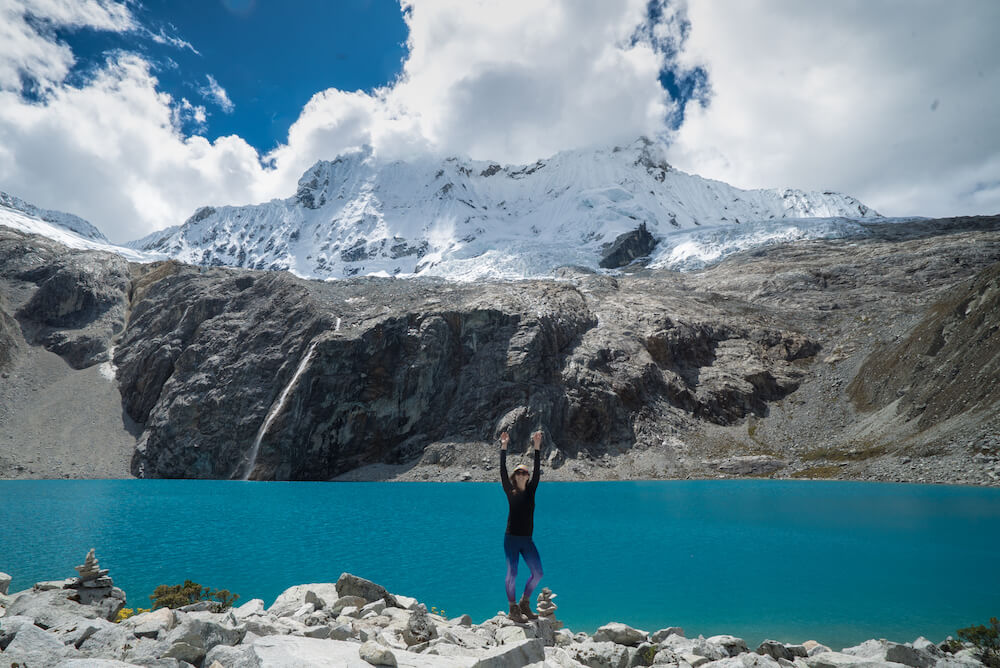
(536, 440)
(504, 440)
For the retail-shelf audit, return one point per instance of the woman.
(520, 520)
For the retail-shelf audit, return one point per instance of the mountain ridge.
(465, 219)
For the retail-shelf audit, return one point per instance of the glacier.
(467, 220)
(66, 228)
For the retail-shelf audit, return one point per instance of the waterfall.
(276, 407)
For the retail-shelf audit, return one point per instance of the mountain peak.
(460, 218)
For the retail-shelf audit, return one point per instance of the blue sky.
(133, 113)
(270, 56)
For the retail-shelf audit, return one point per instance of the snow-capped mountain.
(67, 229)
(74, 224)
(464, 219)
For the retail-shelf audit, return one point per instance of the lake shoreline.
(358, 622)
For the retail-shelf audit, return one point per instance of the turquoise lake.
(839, 562)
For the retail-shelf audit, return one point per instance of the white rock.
(746, 660)
(733, 645)
(662, 634)
(557, 656)
(406, 602)
(304, 610)
(4, 582)
(375, 606)
(513, 656)
(295, 652)
(885, 650)
(621, 634)
(699, 646)
(694, 660)
(94, 663)
(376, 654)
(513, 634)
(840, 660)
(254, 606)
(813, 647)
(32, 646)
(604, 654)
(294, 598)
(152, 624)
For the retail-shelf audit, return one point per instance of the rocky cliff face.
(747, 368)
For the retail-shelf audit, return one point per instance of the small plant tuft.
(125, 613)
(177, 596)
(986, 640)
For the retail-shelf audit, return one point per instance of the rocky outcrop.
(381, 634)
(80, 302)
(741, 369)
(948, 364)
(628, 247)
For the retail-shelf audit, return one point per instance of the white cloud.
(217, 94)
(895, 103)
(29, 49)
(804, 94)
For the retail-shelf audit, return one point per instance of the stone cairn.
(91, 573)
(95, 588)
(547, 609)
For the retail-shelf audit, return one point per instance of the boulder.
(885, 650)
(94, 663)
(406, 602)
(294, 598)
(621, 634)
(557, 656)
(10, 626)
(513, 656)
(252, 607)
(599, 654)
(240, 656)
(797, 650)
(775, 650)
(812, 648)
(661, 634)
(108, 642)
(734, 646)
(345, 602)
(4, 583)
(376, 654)
(78, 631)
(295, 652)
(628, 247)
(153, 624)
(192, 638)
(841, 660)
(643, 654)
(32, 646)
(509, 635)
(699, 646)
(419, 628)
(51, 607)
(694, 660)
(745, 660)
(352, 585)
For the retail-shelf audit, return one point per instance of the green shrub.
(177, 596)
(986, 640)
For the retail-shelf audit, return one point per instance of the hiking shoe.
(515, 614)
(525, 609)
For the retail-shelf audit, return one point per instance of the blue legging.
(523, 546)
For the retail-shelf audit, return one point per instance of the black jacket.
(521, 516)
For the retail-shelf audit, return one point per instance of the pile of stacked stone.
(547, 609)
(95, 588)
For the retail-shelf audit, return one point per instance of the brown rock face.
(949, 363)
